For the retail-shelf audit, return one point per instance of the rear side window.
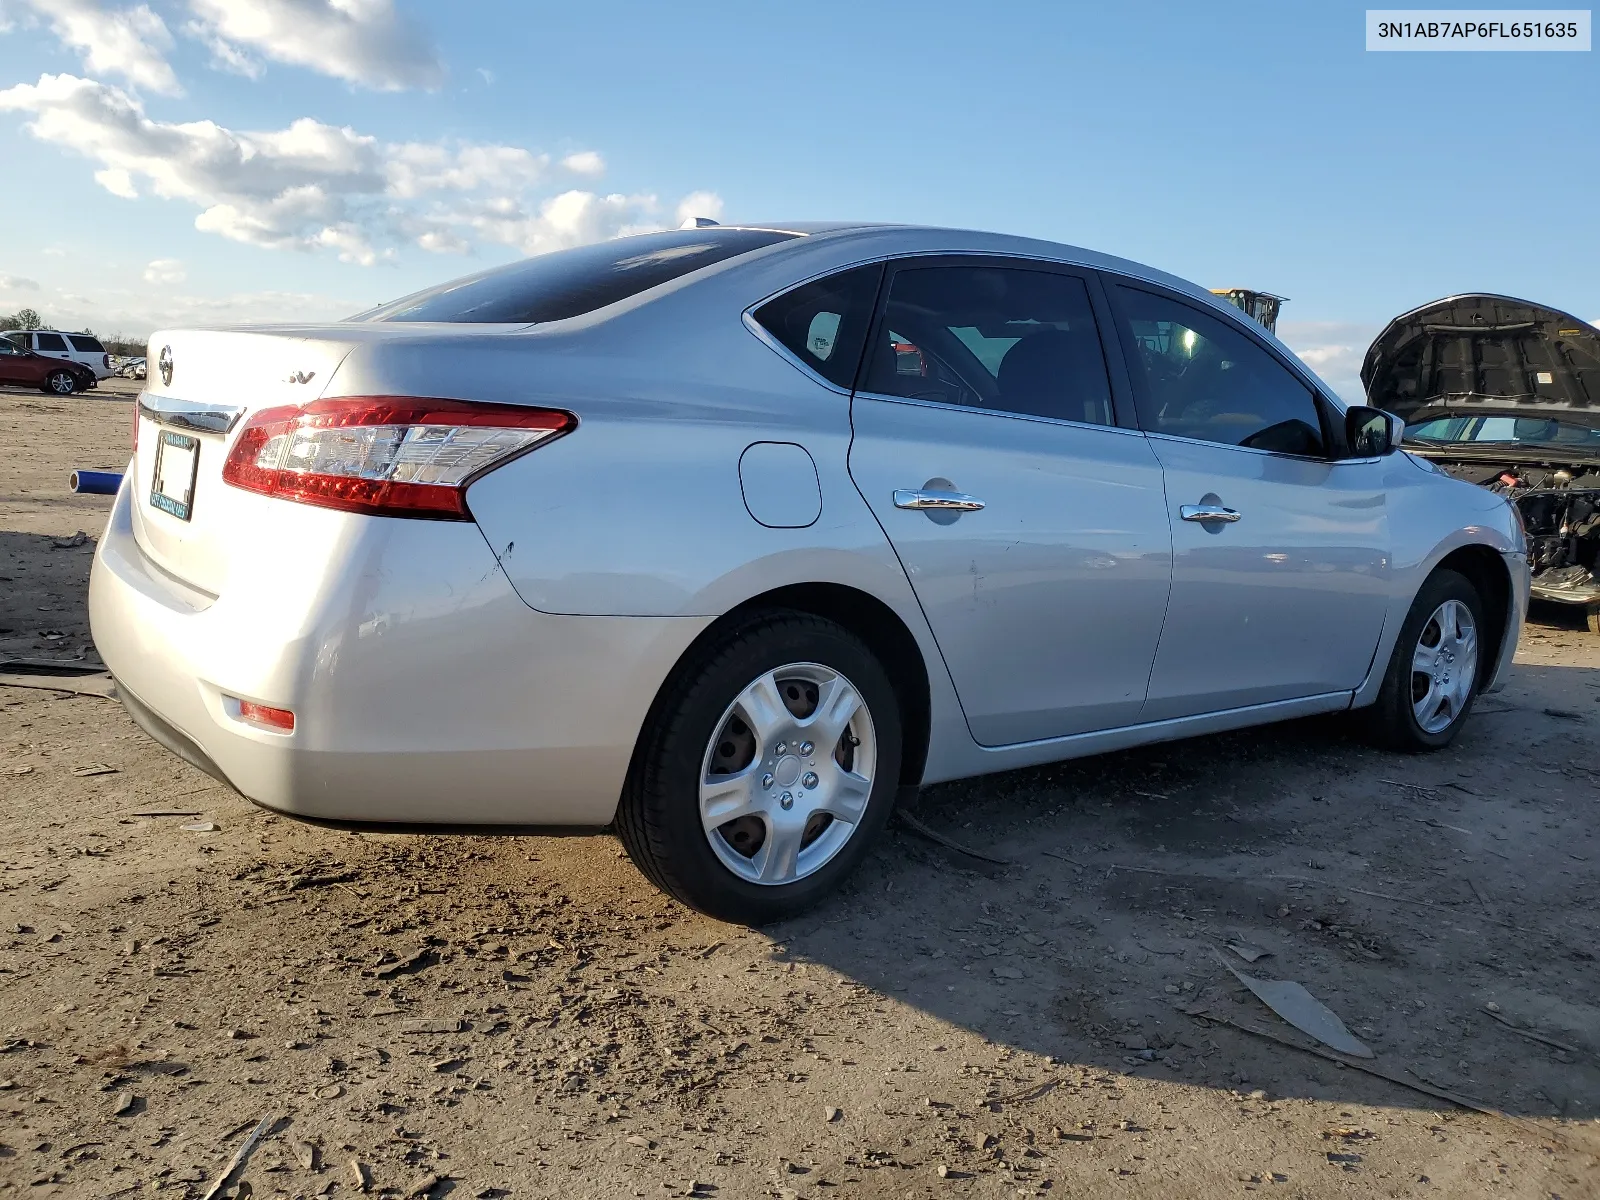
(569, 283)
(1010, 339)
(824, 323)
(50, 341)
(1202, 379)
(88, 345)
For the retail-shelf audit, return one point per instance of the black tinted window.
(569, 283)
(88, 345)
(824, 323)
(1010, 339)
(1203, 379)
(50, 341)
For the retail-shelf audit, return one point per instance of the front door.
(1280, 549)
(1033, 528)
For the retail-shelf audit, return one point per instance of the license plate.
(177, 461)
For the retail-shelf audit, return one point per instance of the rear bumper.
(424, 690)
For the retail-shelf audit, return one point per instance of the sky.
(181, 162)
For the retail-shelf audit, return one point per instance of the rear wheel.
(771, 763)
(61, 383)
(1433, 675)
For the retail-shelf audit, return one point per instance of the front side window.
(50, 341)
(1202, 379)
(8, 347)
(569, 283)
(86, 345)
(1011, 339)
(824, 323)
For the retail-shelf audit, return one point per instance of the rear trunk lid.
(1482, 353)
(202, 384)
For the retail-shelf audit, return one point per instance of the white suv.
(82, 348)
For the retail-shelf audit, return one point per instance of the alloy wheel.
(785, 780)
(1444, 666)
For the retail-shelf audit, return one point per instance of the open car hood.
(1479, 353)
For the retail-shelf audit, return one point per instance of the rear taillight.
(105, 361)
(136, 427)
(384, 455)
(279, 720)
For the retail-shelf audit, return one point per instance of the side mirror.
(1371, 432)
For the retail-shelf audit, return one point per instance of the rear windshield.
(569, 283)
(88, 344)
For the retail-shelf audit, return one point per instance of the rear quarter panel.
(639, 511)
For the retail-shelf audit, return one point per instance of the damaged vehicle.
(1505, 393)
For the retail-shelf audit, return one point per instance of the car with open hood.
(1505, 393)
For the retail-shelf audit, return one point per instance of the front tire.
(768, 766)
(1435, 670)
(60, 383)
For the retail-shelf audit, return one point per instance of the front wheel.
(1433, 675)
(60, 383)
(769, 765)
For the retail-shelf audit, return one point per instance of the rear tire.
(1434, 672)
(60, 383)
(742, 801)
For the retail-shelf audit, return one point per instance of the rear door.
(1280, 547)
(51, 345)
(1031, 524)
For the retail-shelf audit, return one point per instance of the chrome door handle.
(936, 500)
(1208, 512)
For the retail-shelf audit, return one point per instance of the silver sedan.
(723, 537)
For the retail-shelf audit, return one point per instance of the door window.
(87, 345)
(50, 341)
(1012, 339)
(8, 348)
(1202, 379)
(824, 323)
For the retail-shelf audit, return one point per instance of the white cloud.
(585, 162)
(136, 312)
(312, 186)
(361, 41)
(18, 283)
(700, 204)
(1334, 350)
(165, 270)
(130, 42)
(418, 167)
(224, 55)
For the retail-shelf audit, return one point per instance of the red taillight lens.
(280, 720)
(384, 455)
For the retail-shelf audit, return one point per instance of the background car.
(724, 536)
(1505, 393)
(21, 367)
(82, 348)
(133, 368)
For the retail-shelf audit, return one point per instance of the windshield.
(1503, 431)
(569, 283)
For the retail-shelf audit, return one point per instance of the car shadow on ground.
(1431, 902)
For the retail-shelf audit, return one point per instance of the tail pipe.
(95, 483)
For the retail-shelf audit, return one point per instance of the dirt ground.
(525, 1016)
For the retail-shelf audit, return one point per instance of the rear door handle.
(1208, 512)
(938, 501)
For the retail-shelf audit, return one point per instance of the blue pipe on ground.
(96, 483)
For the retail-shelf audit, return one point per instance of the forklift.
(1261, 306)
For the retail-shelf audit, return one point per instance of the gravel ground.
(524, 1016)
